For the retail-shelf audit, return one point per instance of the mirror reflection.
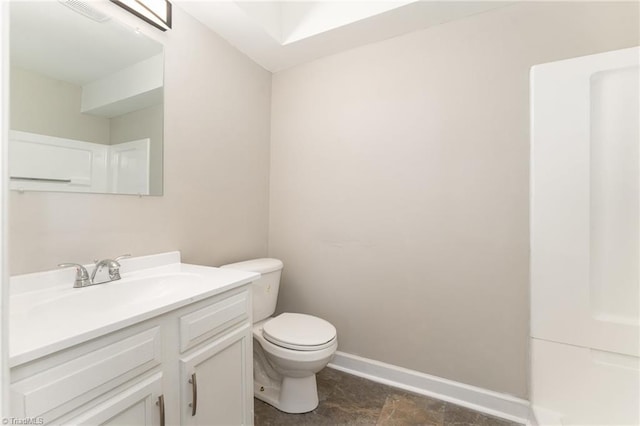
(86, 102)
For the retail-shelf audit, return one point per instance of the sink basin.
(103, 299)
(47, 314)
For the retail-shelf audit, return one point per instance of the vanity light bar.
(155, 12)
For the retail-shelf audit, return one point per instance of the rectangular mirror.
(86, 102)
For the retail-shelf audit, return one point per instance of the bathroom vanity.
(169, 343)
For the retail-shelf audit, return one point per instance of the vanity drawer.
(210, 320)
(68, 385)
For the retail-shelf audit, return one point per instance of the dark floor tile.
(409, 410)
(461, 416)
(344, 400)
(347, 400)
(266, 415)
(487, 420)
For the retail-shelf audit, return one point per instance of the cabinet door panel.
(223, 382)
(134, 406)
(198, 326)
(65, 387)
(134, 415)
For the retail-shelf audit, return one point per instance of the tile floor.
(350, 400)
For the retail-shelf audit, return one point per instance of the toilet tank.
(265, 289)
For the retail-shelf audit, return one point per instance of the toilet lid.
(299, 331)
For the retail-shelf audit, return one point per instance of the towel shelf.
(40, 179)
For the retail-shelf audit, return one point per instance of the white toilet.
(289, 349)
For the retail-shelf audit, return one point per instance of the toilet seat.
(299, 332)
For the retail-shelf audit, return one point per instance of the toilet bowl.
(286, 377)
(288, 349)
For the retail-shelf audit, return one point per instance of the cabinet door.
(217, 381)
(139, 405)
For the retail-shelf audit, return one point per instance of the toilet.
(288, 349)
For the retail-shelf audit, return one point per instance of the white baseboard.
(483, 400)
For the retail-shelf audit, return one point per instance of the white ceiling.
(279, 35)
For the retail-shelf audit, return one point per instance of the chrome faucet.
(82, 276)
(113, 267)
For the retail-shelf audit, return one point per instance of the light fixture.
(155, 12)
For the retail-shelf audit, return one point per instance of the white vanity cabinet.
(216, 373)
(143, 374)
(216, 380)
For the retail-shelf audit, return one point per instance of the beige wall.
(43, 105)
(142, 124)
(399, 187)
(215, 203)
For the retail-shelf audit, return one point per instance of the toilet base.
(293, 395)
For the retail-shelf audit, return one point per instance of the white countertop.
(47, 314)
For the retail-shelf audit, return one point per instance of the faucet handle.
(79, 268)
(114, 267)
(82, 276)
(122, 257)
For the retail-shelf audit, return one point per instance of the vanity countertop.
(47, 314)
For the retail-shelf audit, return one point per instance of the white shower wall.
(48, 163)
(614, 195)
(584, 238)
